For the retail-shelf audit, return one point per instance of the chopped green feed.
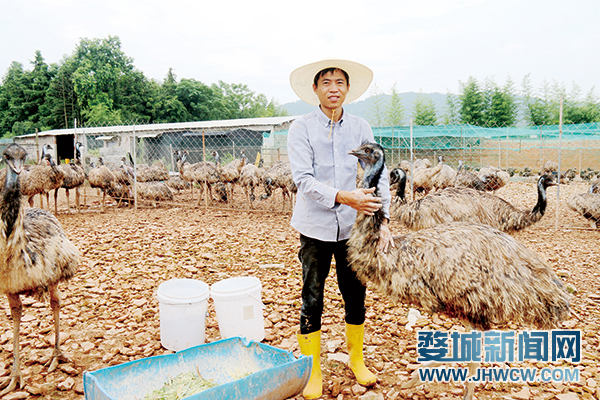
(183, 385)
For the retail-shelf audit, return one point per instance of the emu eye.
(367, 150)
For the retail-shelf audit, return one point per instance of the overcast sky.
(426, 45)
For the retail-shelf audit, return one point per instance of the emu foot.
(57, 356)
(11, 382)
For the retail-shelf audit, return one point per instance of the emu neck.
(371, 179)
(10, 202)
(540, 206)
(400, 190)
(372, 175)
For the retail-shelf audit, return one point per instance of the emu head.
(373, 155)
(15, 157)
(396, 175)
(78, 150)
(546, 181)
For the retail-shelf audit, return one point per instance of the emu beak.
(16, 164)
(357, 153)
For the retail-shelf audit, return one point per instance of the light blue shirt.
(321, 166)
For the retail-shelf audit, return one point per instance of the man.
(327, 203)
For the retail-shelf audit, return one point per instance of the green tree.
(472, 103)
(101, 70)
(394, 115)
(241, 102)
(61, 99)
(591, 107)
(273, 109)
(451, 115)
(13, 98)
(163, 101)
(199, 100)
(38, 82)
(424, 113)
(101, 114)
(536, 111)
(501, 106)
(376, 109)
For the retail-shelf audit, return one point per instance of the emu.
(471, 271)
(36, 257)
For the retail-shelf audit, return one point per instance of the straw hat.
(302, 78)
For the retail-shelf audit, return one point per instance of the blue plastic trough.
(243, 371)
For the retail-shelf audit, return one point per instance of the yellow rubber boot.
(354, 337)
(310, 345)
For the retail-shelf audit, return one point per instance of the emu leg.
(57, 354)
(470, 386)
(252, 196)
(16, 308)
(56, 198)
(55, 201)
(48, 202)
(201, 190)
(76, 198)
(68, 200)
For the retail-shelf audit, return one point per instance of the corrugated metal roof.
(258, 124)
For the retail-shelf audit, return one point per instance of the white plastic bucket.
(239, 308)
(182, 306)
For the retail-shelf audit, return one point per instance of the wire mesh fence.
(224, 164)
(192, 164)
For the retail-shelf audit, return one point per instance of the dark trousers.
(315, 256)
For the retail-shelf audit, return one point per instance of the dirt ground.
(110, 312)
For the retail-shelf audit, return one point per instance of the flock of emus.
(462, 195)
(155, 184)
(458, 260)
(210, 175)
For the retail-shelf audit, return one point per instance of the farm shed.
(158, 141)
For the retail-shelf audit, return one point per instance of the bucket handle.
(262, 305)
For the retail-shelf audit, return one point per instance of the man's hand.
(385, 238)
(360, 199)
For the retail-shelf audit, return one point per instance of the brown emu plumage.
(230, 174)
(468, 205)
(36, 257)
(104, 179)
(41, 179)
(154, 191)
(422, 178)
(205, 173)
(279, 175)
(493, 178)
(74, 177)
(250, 178)
(445, 178)
(467, 179)
(587, 204)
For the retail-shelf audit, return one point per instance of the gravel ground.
(110, 312)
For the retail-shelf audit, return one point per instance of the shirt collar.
(325, 120)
